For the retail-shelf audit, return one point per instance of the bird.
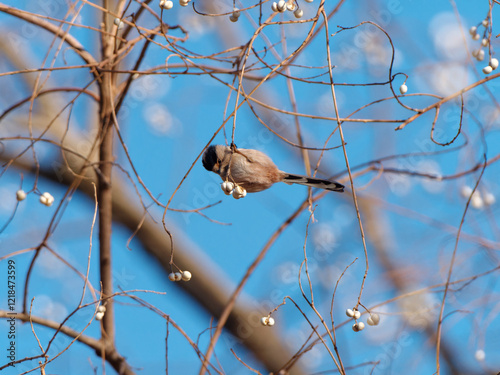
(255, 171)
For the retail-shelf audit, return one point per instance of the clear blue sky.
(167, 121)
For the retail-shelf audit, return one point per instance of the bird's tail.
(313, 182)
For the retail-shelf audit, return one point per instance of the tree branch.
(111, 355)
(68, 38)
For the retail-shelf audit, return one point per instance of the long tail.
(313, 182)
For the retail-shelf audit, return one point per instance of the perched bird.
(255, 171)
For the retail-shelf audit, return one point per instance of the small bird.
(255, 171)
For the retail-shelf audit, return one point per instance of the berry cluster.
(281, 6)
(479, 53)
(168, 4)
(479, 199)
(178, 276)
(267, 321)
(238, 192)
(373, 319)
(46, 199)
(235, 16)
(100, 312)
(119, 23)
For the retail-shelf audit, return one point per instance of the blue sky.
(166, 122)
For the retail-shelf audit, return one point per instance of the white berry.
(476, 200)
(20, 195)
(267, 321)
(349, 313)
(99, 315)
(101, 308)
(485, 23)
(298, 13)
(186, 276)
(183, 3)
(472, 30)
(484, 42)
(487, 69)
(178, 276)
(309, 1)
(357, 314)
(281, 6)
(118, 22)
(274, 7)
(239, 192)
(232, 18)
(227, 187)
(46, 199)
(403, 89)
(480, 355)
(494, 63)
(476, 36)
(236, 12)
(489, 199)
(356, 327)
(171, 276)
(166, 4)
(480, 55)
(466, 191)
(373, 320)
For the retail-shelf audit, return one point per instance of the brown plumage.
(255, 171)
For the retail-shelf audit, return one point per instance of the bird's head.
(212, 158)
